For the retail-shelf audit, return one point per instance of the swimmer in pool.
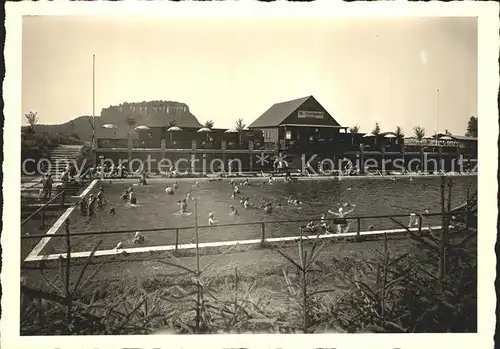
(183, 205)
(245, 183)
(271, 180)
(211, 219)
(169, 191)
(324, 223)
(246, 203)
(132, 197)
(342, 228)
(188, 196)
(175, 186)
(233, 210)
(268, 208)
(142, 180)
(311, 226)
(125, 194)
(100, 198)
(138, 238)
(413, 220)
(236, 190)
(83, 207)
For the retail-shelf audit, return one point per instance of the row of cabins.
(295, 129)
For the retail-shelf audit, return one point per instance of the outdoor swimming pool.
(155, 209)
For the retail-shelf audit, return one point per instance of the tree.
(209, 124)
(471, 127)
(376, 129)
(32, 119)
(419, 132)
(354, 129)
(399, 132)
(240, 126)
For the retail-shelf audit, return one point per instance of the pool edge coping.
(162, 248)
(35, 252)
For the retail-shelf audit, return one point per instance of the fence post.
(263, 234)
(358, 233)
(62, 198)
(442, 242)
(176, 239)
(41, 266)
(421, 218)
(68, 266)
(42, 212)
(467, 209)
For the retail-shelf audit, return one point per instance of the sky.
(361, 70)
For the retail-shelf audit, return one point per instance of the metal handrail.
(41, 208)
(31, 186)
(150, 230)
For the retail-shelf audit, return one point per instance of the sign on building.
(432, 142)
(310, 114)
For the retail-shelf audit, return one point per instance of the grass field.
(156, 209)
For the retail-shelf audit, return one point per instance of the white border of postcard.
(488, 82)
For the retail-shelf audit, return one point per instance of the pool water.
(155, 209)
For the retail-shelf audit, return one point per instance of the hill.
(79, 127)
(152, 113)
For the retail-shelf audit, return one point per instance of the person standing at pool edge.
(91, 206)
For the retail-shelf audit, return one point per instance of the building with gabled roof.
(301, 123)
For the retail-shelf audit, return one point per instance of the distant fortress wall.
(145, 108)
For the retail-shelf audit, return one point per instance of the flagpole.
(93, 100)
(437, 118)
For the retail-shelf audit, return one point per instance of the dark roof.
(455, 137)
(463, 138)
(278, 113)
